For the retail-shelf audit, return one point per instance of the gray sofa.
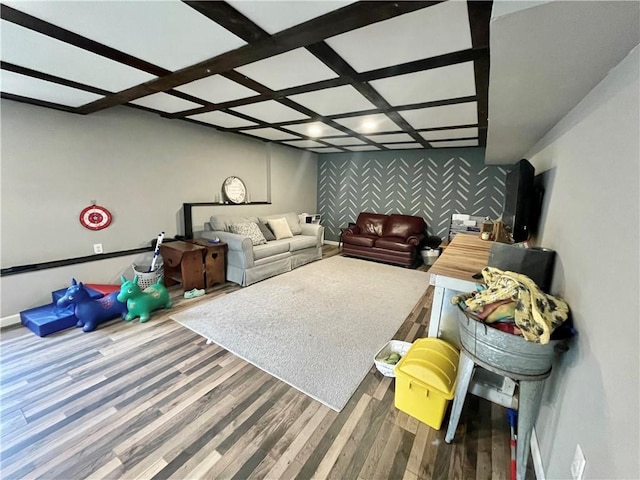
(248, 263)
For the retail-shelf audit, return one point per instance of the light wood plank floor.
(152, 400)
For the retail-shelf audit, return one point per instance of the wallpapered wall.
(433, 184)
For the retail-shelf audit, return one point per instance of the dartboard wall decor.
(95, 217)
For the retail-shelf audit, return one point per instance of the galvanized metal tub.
(504, 351)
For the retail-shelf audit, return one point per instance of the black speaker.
(519, 200)
(535, 262)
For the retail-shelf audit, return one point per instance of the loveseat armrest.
(313, 230)
(353, 230)
(239, 247)
(415, 239)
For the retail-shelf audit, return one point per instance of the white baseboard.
(331, 242)
(537, 458)
(10, 320)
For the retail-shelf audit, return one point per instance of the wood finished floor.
(152, 400)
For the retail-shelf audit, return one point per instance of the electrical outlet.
(578, 464)
(97, 248)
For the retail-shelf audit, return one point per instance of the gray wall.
(591, 217)
(433, 184)
(138, 165)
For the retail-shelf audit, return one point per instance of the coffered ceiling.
(327, 76)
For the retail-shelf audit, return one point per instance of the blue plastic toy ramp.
(48, 319)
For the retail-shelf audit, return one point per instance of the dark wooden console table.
(215, 266)
(183, 263)
(188, 219)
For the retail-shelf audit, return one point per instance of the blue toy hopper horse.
(88, 311)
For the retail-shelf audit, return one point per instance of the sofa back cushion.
(249, 229)
(292, 220)
(371, 223)
(223, 223)
(403, 226)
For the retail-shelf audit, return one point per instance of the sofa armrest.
(313, 230)
(415, 239)
(355, 230)
(239, 247)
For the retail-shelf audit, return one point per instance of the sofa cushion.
(292, 220)
(300, 242)
(223, 223)
(266, 232)
(269, 249)
(371, 223)
(403, 226)
(396, 244)
(280, 228)
(360, 240)
(249, 229)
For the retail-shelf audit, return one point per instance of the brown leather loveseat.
(391, 238)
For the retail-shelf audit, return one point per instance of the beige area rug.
(316, 328)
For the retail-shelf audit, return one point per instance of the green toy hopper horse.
(142, 303)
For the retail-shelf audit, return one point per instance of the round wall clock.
(95, 217)
(234, 190)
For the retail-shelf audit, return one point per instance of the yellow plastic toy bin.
(426, 380)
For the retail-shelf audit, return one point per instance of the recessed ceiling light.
(314, 130)
(369, 126)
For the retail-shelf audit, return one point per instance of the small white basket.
(393, 346)
(145, 278)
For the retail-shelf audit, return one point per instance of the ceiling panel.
(455, 143)
(453, 81)
(369, 123)
(297, 67)
(165, 103)
(271, 112)
(27, 48)
(314, 129)
(312, 73)
(275, 16)
(167, 33)
(303, 143)
(445, 116)
(217, 89)
(362, 148)
(30, 87)
(450, 133)
(343, 141)
(332, 101)
(222, 119)
(432, 31)
(326, 150)
(394, 146)
(393, 137)
(270, 134)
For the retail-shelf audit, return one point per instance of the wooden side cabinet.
(214, 262)
(183, 263)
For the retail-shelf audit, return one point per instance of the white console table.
(452, 274)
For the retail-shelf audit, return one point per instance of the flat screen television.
(522, 201)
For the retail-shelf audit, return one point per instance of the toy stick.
(156, 251)
(512, 416)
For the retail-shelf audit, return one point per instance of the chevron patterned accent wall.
(427, 183)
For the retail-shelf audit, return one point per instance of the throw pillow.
(292, 220)
(280, 228)
(268, 234)
(250, 230)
